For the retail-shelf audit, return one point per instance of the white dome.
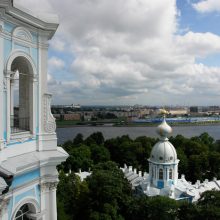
(163, 152)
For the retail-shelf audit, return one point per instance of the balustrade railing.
(19, 124)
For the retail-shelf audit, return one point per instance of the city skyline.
(134, 51)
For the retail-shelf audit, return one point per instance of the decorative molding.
(23, 34)
(48, 186)
(17, 53)
(49, 120)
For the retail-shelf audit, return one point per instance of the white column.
(175, 174)
(53, 201)
(33, 106)
(12, 98)
(8, 91)
(1, 89)
(45, 200)
(48, 200)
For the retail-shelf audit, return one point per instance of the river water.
(69, 133)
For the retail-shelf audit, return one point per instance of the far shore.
(67, 124)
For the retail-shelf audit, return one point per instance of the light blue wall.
(34, 55)
(33, 193)
(9, 27)
(38, 193)
(35, 38)
(7, 49)
(21, 47)
(25, 178)
(10, 207)
(29, 193)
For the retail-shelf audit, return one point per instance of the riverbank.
(66, 124)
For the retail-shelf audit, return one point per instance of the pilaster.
(8, 108)
(4, 208)
(48, 200)
(1, 90)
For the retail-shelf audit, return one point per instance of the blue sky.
(149, 52)
(191, 19)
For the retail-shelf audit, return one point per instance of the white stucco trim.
(19, 53)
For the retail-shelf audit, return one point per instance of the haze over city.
(134, 51)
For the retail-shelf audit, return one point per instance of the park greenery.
(107, 195)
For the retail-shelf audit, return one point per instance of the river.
(69, 133)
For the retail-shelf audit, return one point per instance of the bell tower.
(28, 142)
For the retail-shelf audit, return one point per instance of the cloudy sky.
(153, 52)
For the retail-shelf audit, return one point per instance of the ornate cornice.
(17, 13)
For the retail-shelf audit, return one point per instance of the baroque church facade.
(163, 178)
(28, 142)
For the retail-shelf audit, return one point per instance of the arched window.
(170, 174)
(160, 174)
(22, 212)
(21, 90)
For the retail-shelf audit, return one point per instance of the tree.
(96, 138)
(188, 210)
(209, 205)
(214, 161)
(198, 166)
(209, 199)
(80, 158)
(99, 154)
(183, 164)
(68, 193)
(108, 190)
(207, 139)
(78, 139)
(162, 208)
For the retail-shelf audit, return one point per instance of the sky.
(126, 52)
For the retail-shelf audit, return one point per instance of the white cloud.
(207, 6)
(58, 44)
(129, 51)
(56, 63)
(199, 44)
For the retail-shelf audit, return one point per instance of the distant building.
(72, 117)
(178, 112)
(162, 178)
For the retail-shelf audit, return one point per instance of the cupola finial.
(164, 129)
